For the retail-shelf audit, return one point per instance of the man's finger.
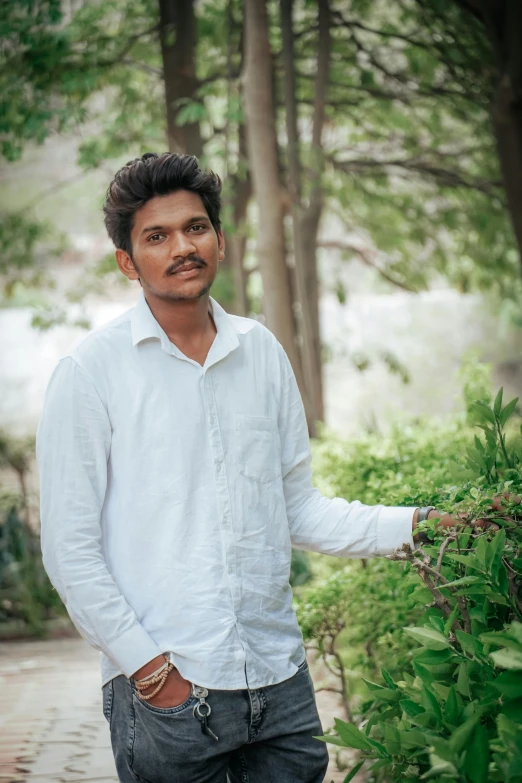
(485, 524)
(497, 502)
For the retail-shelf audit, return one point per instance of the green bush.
(448, 701)
(26, 594)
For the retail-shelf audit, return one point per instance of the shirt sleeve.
(72, 447)
(331, 526)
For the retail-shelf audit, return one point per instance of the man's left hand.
(447, 521)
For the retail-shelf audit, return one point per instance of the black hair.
(156, 175)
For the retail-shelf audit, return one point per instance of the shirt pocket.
(258, 447)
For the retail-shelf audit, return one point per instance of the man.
(175, 478)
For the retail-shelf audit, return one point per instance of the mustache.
(193, 258)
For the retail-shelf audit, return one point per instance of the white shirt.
(172, 494)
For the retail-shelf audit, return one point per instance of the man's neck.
(182, 320)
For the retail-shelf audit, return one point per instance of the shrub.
(455, 710)
(26, 594)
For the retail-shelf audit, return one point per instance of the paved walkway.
(52, 729)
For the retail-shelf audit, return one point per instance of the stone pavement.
(52, 729)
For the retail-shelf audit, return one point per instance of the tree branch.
(367, 256)
(384, 34)
(446, 177)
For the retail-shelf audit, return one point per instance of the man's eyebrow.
(153, 228)
(194, 219)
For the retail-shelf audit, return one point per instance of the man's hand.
(175, 691)
(448, 521)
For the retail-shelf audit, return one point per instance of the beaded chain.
(159, 676)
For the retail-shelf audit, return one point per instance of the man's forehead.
(173, 208)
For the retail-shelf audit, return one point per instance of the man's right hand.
(174, 692)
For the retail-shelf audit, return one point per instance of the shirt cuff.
(133, 649)
(394, 528)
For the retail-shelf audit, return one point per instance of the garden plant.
(437, 630)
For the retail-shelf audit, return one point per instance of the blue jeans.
(265, 735)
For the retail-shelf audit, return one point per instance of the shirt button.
(230, 569)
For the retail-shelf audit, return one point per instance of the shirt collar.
(144, 326)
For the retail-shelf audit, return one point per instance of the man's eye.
(198, 226)
(155, 237)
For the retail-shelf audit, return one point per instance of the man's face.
(175, 249)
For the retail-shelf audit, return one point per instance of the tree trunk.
(502, 20)
(237, 186)
(178, 50)
(505, 29)
(312, 216)
(294, 183)
(507, 122)
(242, 192)
(262, 151)
(307, 219)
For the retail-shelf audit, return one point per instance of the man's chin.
(186, 293)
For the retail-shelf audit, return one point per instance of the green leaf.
(462, 685)
(495, 550)
(353, 772)
(388, 680)
(413, 738)
(476, 761)
(451, 708)
(351, 735)
(443, 749)
(464, 580)
(426, 720)
(331, 739)
(483, 411)
(509, 684)
(372, 686)
(410, 708)
(381, 764)
(439, 769)
(468, 560)
(430, 702)
(481, 550)
(421, 671)
(392, 739)
(381, 750)
(507, 412)
(507, 730)
(460, 737)
(430, 638)
(497, 405)
(512, 709)
(434, 657)
(507, 659)
(469, 643)
(448, 625)
(386, 694)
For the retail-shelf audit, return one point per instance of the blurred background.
(371, 157)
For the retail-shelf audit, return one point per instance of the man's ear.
(221, 244)
(126, 264)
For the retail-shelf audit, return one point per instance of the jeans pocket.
(108, 695)
(190, 700)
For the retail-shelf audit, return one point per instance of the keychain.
(202, 710)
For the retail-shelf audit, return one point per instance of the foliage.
(26, 593)
(25, 246)
(411, 168)
(449, 705)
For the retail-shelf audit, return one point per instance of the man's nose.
(182, 244)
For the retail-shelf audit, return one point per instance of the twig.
(423, 568)
(442, 550)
